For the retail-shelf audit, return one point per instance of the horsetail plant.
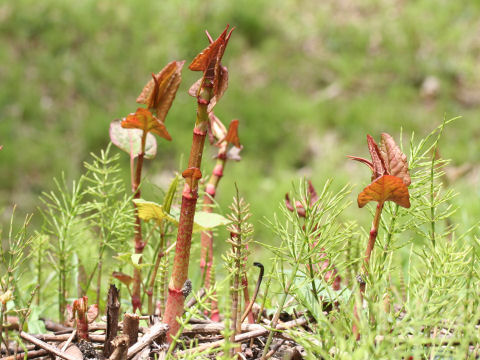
(208, 91)
(158, 96)
(224, 138)
(240, 236)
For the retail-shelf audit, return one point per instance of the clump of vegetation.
(307, 307)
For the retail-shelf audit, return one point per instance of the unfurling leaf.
(395, 160)
(92, 313)
(209, 61)
(220, 85)
(160, 92)
(124, 278)
(168, 199)
(232, 134)
(219, 131)
(130, 140)
(212, 54)
(385, 188)
(144, 120)
(379, 168)
(195, 88)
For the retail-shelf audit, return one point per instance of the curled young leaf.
(385, 188)
(92, 313)
(232, 134)
(195, 88)
(160, 92)
(379, 167)
(209, 61)
(219, 131)
(220, 85)
(129, 140)
(123, 278)
(212, 54)
(144, 120)
(395, 161)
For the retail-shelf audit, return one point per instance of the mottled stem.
(175, 301)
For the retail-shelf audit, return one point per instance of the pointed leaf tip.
(204, 59)
(161, 90)
(379, 168)
(395, 160)
(144, 120)
(385, 188)
(232, 134)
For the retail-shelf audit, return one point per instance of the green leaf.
(148, 210)
(136, 259)
(129, 140)
(132, 259)
(207, 220)
(204, 221)
(167, 201)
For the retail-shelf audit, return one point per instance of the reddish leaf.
(160, 92)
(385, 188)
(144, 120)
(362, 160)
(379, 167)
(312, 192)
(195, 88)
(395, 161)
(92, 313)
(232, 134)
(210, 55)
(124, 278)
(220, 85)
(218, 129)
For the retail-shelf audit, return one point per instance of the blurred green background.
(308, 81)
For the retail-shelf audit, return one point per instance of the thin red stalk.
(175, 301)
(139, 244)
(236, 324)
(160, 255)
(246, 295)
(206, 249)
(368, 253)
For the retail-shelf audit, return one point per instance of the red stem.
(139, 244)
(206, 249)
(175, 301)
(368, 253)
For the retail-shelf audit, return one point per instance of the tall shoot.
(158, 96)
(208, 91)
